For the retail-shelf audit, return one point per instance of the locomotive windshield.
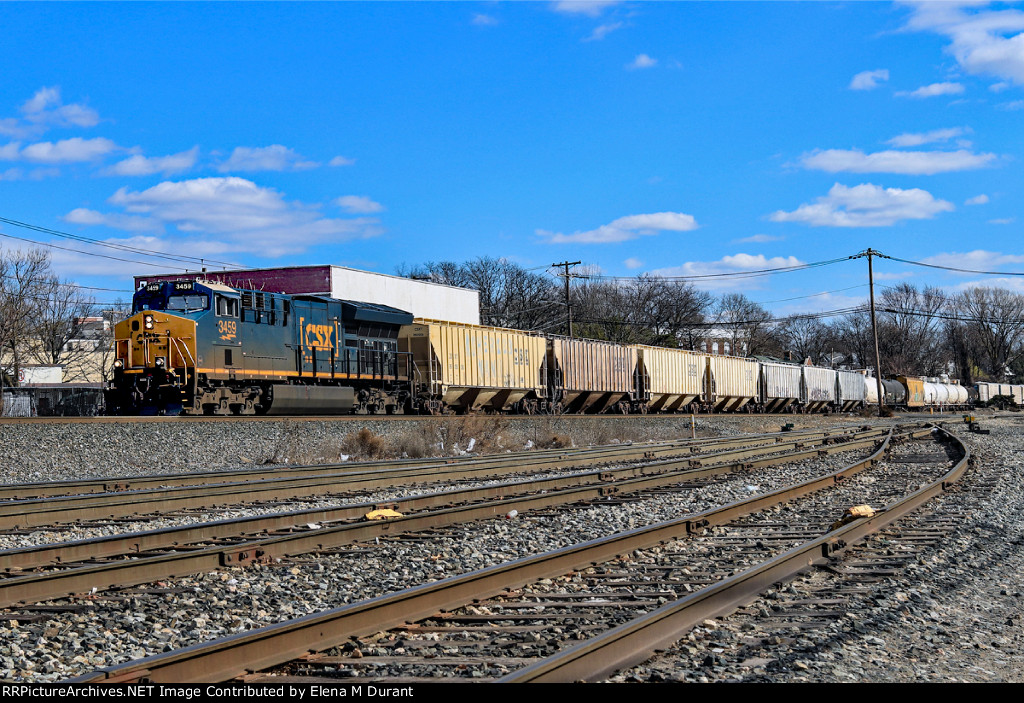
(179, 296)
(193, 302)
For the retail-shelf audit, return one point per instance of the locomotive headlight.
(147, 322)
(118, 364)
(159, 362)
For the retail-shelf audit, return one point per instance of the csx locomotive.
(205, 348)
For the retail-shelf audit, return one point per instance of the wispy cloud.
(865, 205)
(977, 200)
(139, 165)
(590, 8)
(919, 138)
(269, 158)
(626, 228)
(905, 162)
(758, 239)
(633, 263)
(130, 223)
(603, 31)
(977, 260)
(933, 90)
(869, 80)
(482, 20)
(642, 61)
(341, 161)
(736, 263)
(66, 151)
(358, 204)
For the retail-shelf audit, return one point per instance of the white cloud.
(67, 151)
(590, 8)
(1012, 105)
(983, 41)
(139, 165)
(75, 265)
(130, 223)
(633, 263)
(868, 80)
(865, 205)
(43, 98)
(977, 260)
(905, 162)
(47, 108)
(341, 161)
(269, 158)
(1003, 221)
(933, 90)
(603, 31)
(10, 151)
(642, 61)
(977, 200)
(358, 204)
(251, 217)
(728, 264)
(484, 20)
(626, 228)
(936, 135)
(759, 239)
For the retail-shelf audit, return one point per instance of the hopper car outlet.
(201, 347)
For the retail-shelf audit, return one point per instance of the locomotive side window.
(227, 307)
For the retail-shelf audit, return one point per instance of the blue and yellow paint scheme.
(203, 347)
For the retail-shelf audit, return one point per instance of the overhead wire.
(111, 245)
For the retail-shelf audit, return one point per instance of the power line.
(109, 245)
(951, 268)
(753, 273)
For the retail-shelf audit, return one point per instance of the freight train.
(201, 347)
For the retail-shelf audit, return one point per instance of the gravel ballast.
(222, 603)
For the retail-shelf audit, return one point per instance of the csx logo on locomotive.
(318, 336)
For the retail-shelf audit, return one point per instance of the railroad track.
(179, 493)
(57, 570)
(663, 576)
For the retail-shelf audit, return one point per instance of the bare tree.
(21, 279)
(58, 325)
(988, 329)
(749, 326)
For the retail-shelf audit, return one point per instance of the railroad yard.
(452, 583)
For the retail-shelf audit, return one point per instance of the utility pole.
(567, 275)
(874, 333)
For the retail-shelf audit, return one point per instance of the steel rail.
(48, 511)
(136, 543)
(27, 491)
(633, 642)
(237, 655)
(498, 500)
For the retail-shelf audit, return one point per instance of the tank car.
(205, 348)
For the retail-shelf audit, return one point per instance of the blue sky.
(674, 138)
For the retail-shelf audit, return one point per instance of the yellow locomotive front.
(155, 360)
